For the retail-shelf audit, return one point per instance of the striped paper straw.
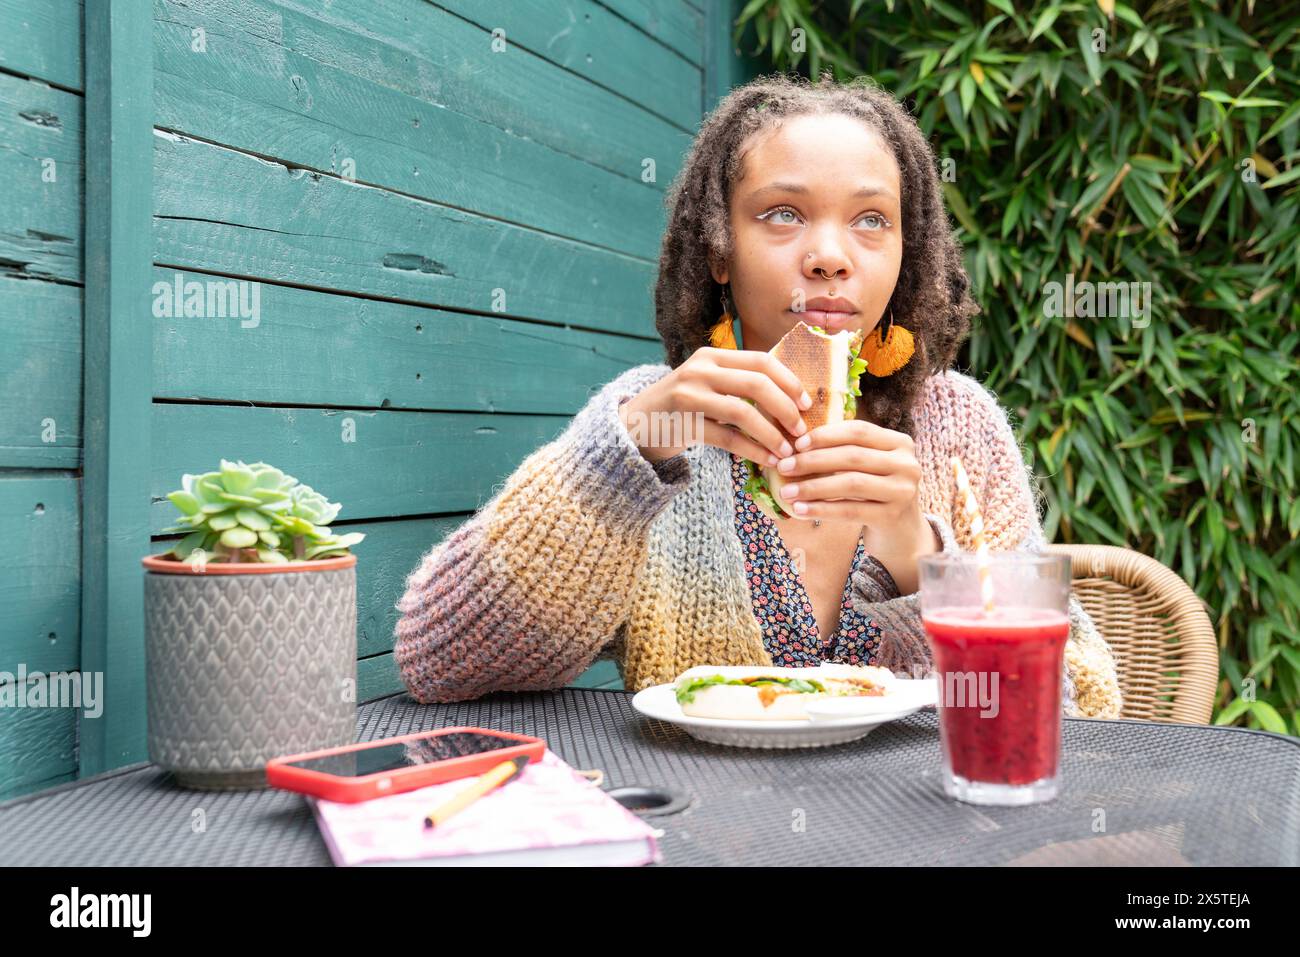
(972, 510)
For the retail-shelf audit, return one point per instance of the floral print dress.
(781, 603)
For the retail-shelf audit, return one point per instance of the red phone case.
(350, 790)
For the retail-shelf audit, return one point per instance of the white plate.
(832, 720)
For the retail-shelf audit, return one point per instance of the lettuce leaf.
(757, 488)
(856, 368)
(687, 689)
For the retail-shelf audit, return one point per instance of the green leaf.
(1268, 717)
(223, 521)
(187, 545)
(1281, 179)
(928, 63)
(966, 87)
(348, 540)
(1282, 122)
(233, 498)
(239, 537)
(1129, 16)
(184, 501)
(236, 477)
(253, 519)
(957, 203)
(1233, 711)
(1012, 215)
(1044, 21)
(957, 16)
(1090, 58)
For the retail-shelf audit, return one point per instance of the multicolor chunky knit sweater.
(589, 551)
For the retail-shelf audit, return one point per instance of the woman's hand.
(718, 397)
(860, 472)
(852, 471)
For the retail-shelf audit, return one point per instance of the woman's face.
(815, 215)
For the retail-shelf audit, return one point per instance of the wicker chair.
(1164, 644)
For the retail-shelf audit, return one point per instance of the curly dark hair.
(931, 297)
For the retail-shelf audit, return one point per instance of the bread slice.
(828, 367)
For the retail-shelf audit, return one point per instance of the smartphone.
(371, 769)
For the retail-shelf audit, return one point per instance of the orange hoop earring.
(888, 348)
(721, 334)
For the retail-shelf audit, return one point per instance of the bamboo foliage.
(1086, 144)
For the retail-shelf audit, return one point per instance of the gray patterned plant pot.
(247, 662)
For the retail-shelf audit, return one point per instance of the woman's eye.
(771, 216)
(878, 218)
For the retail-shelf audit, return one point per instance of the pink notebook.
(549, 815)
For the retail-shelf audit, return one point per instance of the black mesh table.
(1133, 793)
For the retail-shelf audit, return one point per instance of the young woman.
(798, 200)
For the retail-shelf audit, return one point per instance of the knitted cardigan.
(589, 551)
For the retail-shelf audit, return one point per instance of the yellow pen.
(503, 773)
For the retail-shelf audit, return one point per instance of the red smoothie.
(1000, 690)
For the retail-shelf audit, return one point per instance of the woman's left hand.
(861, 472)
(853, 471)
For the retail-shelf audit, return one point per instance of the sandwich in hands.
(776, 694)
(829, 368)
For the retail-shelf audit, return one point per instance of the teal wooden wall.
(454, 247)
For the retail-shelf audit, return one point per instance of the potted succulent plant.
(250, 628)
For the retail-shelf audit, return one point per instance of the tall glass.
(1000, 673)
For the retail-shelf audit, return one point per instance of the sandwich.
(829, 369)
(778, 694)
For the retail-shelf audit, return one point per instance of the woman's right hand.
(704, 401)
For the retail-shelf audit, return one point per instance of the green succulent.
(254, 513)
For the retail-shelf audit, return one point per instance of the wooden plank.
(37, 744)
(372, 354)
(224, 211)
(602, 674)
(377, 677)
(42, 39)
(593, 42)
(365, 353)
(236, 94)
(391, 551)
(41, 167)
(676, 24)
(40, 571)
(33, 787)
(419, 49)
(722, 68)
(40, 374)
(118, 351)
(400, 463)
